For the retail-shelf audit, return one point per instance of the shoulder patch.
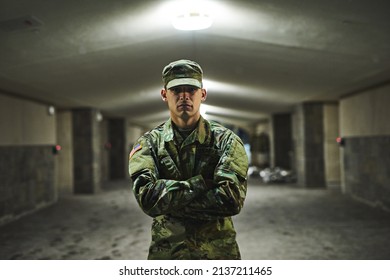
(135, 149)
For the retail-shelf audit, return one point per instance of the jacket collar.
(202, 133)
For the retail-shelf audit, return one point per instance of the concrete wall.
(331, 148)
(25, 122)
(364, 124)
(132, 133)
(64, 159)
(27, 163)
(32, 176)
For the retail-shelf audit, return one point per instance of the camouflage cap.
(182, 72)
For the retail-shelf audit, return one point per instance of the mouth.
(184, 106)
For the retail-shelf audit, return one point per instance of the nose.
(184, 94)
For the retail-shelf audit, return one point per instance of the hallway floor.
(278, 222)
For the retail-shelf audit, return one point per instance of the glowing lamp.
(191, 15)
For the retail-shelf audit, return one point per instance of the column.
(118, 152)
(282, 132)
(309, 144)
(86, 150)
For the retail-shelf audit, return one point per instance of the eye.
(192, 90)
(175, 90)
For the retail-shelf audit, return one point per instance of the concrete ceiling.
(259, 57)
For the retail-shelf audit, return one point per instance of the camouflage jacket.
(191, 190)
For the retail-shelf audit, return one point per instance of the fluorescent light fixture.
(191, 15)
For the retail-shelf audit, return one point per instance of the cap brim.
(184, 82)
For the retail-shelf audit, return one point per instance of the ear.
(204, 94)
(164, 94)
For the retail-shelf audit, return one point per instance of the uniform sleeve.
(159, 196)
(227, 196)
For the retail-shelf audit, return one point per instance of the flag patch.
(135, 149)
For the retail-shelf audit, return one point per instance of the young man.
(189, 174)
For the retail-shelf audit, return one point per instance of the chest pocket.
(206, 161)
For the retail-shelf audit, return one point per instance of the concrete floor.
(278, 222)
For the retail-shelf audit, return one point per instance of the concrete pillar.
(282, 139)
(331, 147)
(309, 144)
(118, 152)
(261, 144)
(86, 150)
(105, 143)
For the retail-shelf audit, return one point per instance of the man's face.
(184, 101)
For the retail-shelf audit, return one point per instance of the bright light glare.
(203, 109)
(191, 15)
(192, 21)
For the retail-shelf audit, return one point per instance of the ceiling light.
(51, 110)
(191, 15)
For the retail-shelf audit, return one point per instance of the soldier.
(189, 174)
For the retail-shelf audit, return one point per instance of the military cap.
(182, 72)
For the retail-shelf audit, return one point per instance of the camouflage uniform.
(190, 189)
